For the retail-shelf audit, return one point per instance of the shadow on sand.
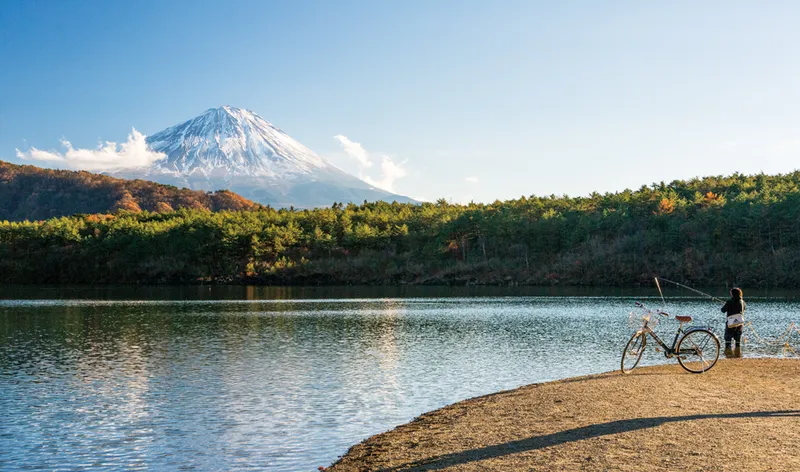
(577, 434)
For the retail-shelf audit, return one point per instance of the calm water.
(283, 384)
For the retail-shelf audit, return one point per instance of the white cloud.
(472, 180)
(354, 150)
(132, 153)
(390, 170)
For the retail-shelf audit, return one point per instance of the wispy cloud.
(132, 153)
(355, 150)
(472, 180)
(390, 170)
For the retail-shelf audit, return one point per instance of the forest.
(712, 231)
(34, 193)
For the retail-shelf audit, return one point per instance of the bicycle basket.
(637, 318)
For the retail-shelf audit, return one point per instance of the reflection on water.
(282, 385)
(240, 292)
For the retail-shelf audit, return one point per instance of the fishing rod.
(689, 288)
(783, 339)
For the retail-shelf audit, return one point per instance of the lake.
(241, 378)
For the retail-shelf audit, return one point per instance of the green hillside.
(712, 231)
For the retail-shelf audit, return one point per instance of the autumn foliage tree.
(33, 193)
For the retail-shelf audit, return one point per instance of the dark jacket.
(733, 306)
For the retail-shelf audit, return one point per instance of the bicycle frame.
(696, 353)
(669, 351)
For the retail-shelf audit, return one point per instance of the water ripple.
(283, 384)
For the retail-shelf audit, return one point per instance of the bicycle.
(697, 350)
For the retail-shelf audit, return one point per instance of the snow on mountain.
(237, 141)
(235, 149)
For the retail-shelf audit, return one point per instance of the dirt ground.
(744, 415)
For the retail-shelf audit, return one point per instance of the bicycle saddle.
(683, 319)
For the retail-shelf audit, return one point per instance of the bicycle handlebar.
(660, 312)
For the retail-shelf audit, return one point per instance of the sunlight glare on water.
(283, 385)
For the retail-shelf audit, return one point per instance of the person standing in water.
(734, 322)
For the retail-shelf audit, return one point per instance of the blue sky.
(475, 100)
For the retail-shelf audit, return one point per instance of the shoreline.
(656, 418)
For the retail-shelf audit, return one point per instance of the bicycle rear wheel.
(633, 352)
(698, 351)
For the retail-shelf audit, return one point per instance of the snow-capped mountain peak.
(228, 141)
(235, 149)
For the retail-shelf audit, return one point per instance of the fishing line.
(688, 288)
(783, 339)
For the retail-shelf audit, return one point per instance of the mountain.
(235, 149)
(33, 193)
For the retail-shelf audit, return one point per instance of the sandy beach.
(742, 415)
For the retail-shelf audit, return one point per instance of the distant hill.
(33, 193)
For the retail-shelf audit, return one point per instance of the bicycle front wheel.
(698, 351)
(633, 352)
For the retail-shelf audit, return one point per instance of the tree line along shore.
(713, 231)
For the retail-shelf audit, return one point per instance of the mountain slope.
(230, 141)
(236, 149)
(33, 193)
